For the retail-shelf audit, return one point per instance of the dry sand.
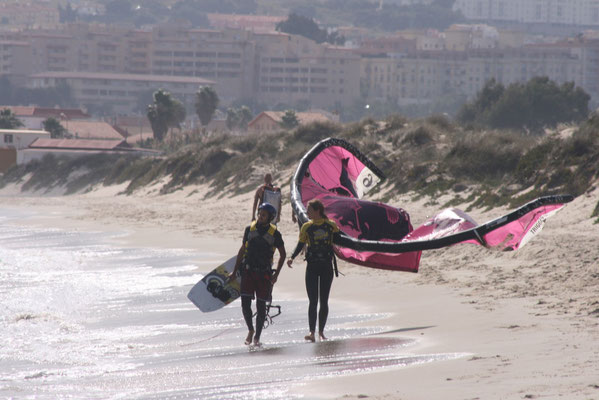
(529, 319)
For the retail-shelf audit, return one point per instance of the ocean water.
(83, 318)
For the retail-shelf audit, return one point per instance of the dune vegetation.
(431, 157)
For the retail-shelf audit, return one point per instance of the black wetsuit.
(318, 234)
(260, 241)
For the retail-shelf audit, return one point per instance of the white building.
(568, 12)
(13, 142)
(122, 91)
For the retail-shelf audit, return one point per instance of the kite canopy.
(378, 235)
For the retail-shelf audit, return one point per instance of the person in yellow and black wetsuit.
(318, 235)
(254, 260)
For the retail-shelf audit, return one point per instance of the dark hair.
(317, 205)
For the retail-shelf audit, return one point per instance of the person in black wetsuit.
(318, 235)
(254, 260)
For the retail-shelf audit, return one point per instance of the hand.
(273, 278)
(232, 277)
(289, 262)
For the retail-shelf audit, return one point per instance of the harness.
(259, 248)
(320, 240)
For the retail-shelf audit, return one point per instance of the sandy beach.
(527, 320)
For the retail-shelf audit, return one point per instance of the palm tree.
(164, 113)
(206, 104)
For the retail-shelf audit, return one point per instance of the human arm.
(280, 205)
(256, 199)
(303, 239)
(282, 256)
(240, 254)
(298, 249)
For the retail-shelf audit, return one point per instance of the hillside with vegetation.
(429, 157)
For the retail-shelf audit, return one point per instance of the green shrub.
(418, 137)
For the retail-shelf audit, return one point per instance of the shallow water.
(83, 318)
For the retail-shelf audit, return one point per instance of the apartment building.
(421, 77)
(568, 12)
(28, 14)
(276, 68)
(15, 60)
(79, 47)
(226, 57)
(270, 68)
(292, 69)
(120, 91)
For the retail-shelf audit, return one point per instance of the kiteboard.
(215, 291)
(274, 198)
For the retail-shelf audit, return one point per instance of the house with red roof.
(270, 121)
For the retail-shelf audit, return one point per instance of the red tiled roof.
(46, 112)
(91, 130)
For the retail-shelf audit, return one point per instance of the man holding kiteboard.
(254, 261)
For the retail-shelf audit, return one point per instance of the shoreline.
(529, 318)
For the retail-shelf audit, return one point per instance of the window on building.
(8, 138)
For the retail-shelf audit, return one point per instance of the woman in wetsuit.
(317, 234)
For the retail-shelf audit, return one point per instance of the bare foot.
(322, 336)
(257, 342)
(310, 337)
(248, 339)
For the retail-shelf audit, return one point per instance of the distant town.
(111, 64)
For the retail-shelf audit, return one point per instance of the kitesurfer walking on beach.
(254, 260)
(259, 196)
(317, 234)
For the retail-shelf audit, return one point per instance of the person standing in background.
(263, 191)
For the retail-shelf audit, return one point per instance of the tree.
(206, 104)
(533, 105)
(8, 120)
(289, 120)
(238, 118)
(53, 126)
(164, 113)
(296, 24)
